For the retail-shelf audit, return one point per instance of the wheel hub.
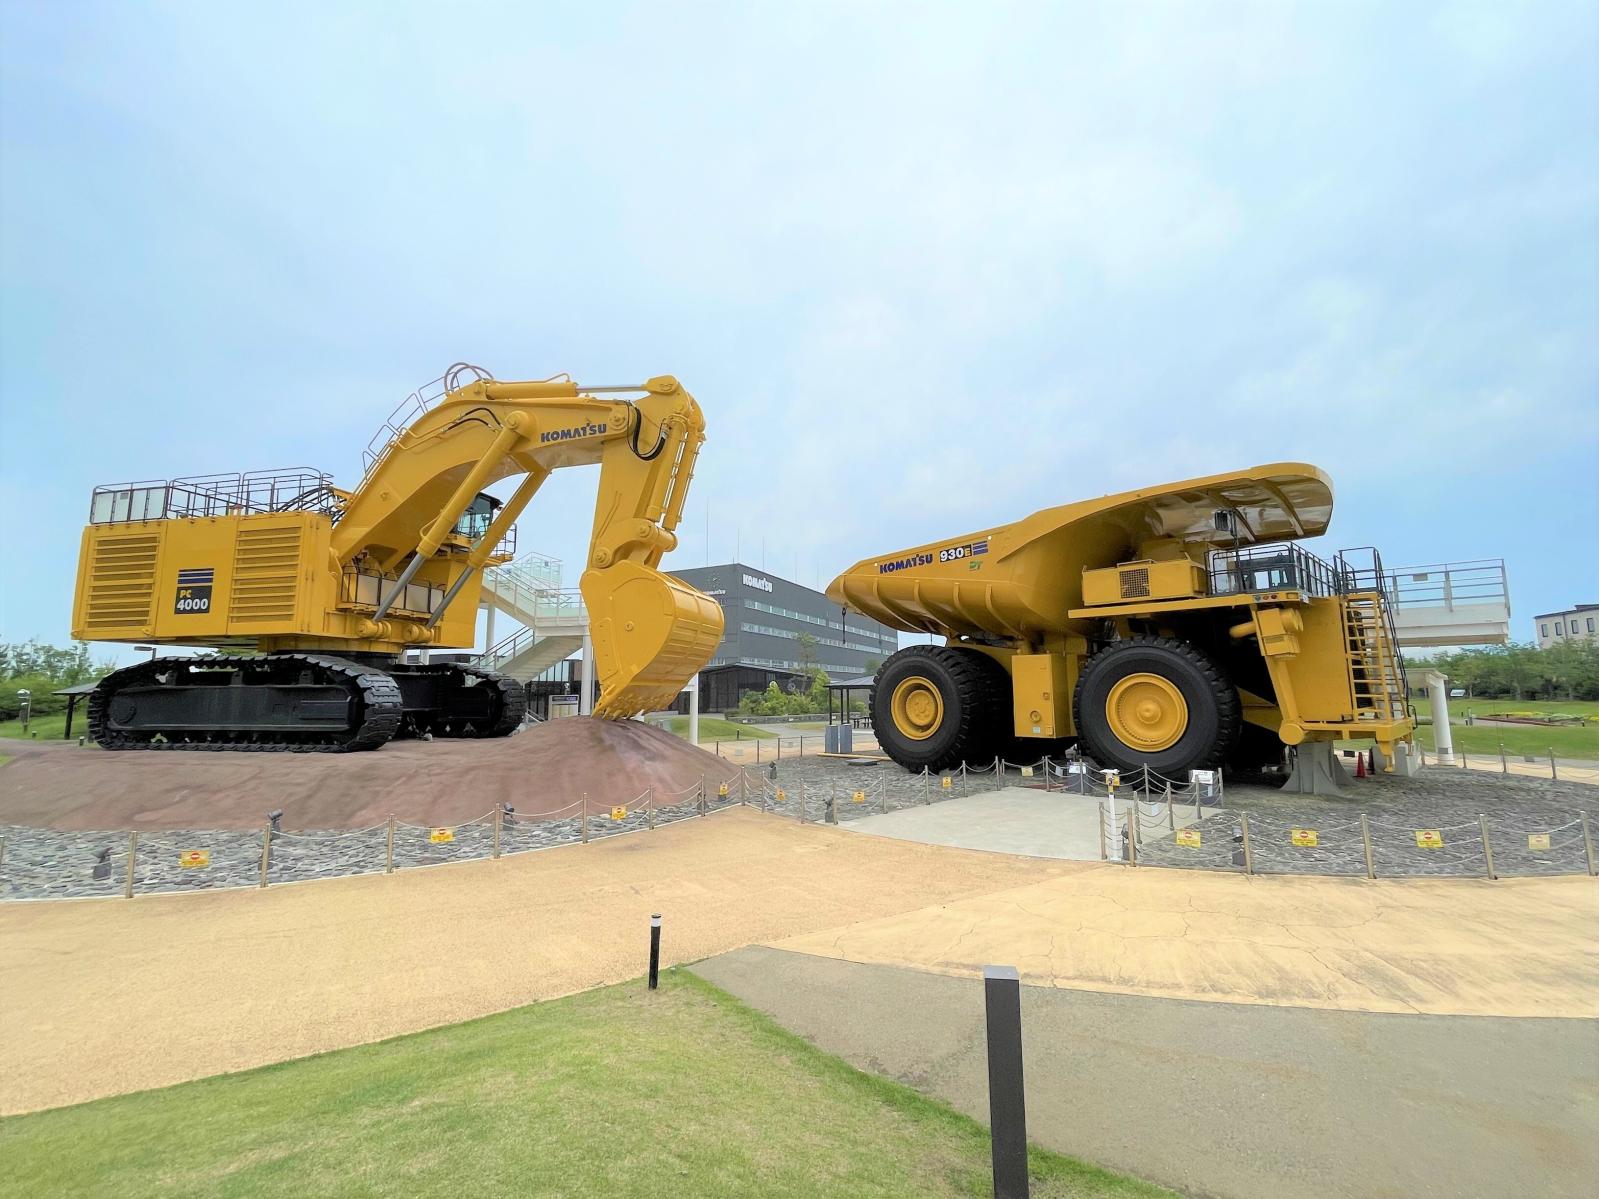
(917, 708)
(1146, 712)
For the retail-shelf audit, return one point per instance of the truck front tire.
(1155, 702)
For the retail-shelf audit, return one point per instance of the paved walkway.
(1223, 1099)
(102, 996)
(1515, 947)
(1014, 820)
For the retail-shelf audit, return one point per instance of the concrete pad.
(1219, 1099)
(102, 996)
(1515, 947)
(1016, 820)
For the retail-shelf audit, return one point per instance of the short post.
(1504, 763)
(266, 852)
(1007, 1108)
(1171, 816)
(655, 949)
(1199, 807)
(703, 804)
(1102, 856)
(389, 865)
(2, 853)
(1249, 857)
(583, 819)
(1554, 774)
(1487, 847)
(649, 805)
(1132, 833)
(498, 815)
(1221, 787)
(927, 785)
(832, 803)
(1587, 842)
(133, 852)
(780, 747)
(1365, 841)
(999, 772)
(757, 753)
(1046, 774)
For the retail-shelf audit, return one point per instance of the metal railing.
(1279, 566)
(1448, 584)
(417, 404)
(290, 489)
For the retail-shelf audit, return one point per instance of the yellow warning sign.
(1305, 837)
(1027, 772)
(192, 858)
(1537, 840)
(1429, 838)
(722, 790)
(781, 795)
(1189, 837)
(947, 782)
(618, 813)
(858, 797)
(440, 835)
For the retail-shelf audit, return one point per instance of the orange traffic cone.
(1360, 765)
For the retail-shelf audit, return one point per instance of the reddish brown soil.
(540, 770)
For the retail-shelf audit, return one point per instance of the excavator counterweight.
(311, 595)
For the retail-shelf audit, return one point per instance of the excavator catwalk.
(310, 595)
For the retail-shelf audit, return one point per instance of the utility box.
(1129, 582)
(840, 739)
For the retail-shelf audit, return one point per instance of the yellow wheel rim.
(1146, 712)
(917, 707)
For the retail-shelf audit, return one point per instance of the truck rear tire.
(1155, 702)
(934, 707)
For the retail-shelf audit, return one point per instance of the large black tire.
(1209, 731)
(973, 716)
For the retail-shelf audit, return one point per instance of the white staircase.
(553, 618)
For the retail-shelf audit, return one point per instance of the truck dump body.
(1020, 580)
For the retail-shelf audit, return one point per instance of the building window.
(1560, 628)
(1590, 624)
(1543, 629)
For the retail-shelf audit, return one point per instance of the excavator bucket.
(651, 635)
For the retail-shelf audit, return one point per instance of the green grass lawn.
(614, 1092)
(1567, 741)
(715, 728)
(48, 728)
(1459, 706)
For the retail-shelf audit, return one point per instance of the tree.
(42, 670)
(805, 646)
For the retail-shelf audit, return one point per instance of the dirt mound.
(542, 769)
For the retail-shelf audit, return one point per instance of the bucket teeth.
(651, 632)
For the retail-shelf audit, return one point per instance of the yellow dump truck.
(310, 594)
(1178, 627)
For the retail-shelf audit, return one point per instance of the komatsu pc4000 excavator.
(311, 594)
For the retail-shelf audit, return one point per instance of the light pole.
(25, 705)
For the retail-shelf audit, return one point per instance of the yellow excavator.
(1176, 628)
(310, 595)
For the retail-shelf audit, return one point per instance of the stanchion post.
(1554, 774)
(1587, 843)
(1007, 1107)
(2, 853)
(583, 819)
(1249, 857)
(927, 784)
(133, 852)
(1487, 846)
(498, 814)
(1365, 841)
(388, 865)
(1504, 762)
(649, 805)
(655, 949)
(1171, 815)
(1102, 848)
(1132, 832)
(999, 772)
(1221, 788)
(266, 852)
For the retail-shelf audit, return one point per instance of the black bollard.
(1007, 1109)
(655, 949)
(276, 820)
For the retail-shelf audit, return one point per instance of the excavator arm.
(651, 633)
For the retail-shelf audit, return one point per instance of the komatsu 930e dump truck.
(310, 594)
(1175, 628)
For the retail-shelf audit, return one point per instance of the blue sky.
(927, 267)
